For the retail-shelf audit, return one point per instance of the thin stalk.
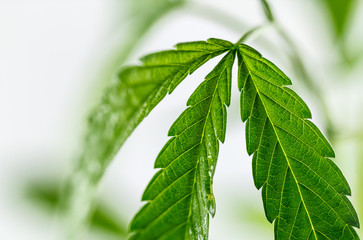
(267, 10)
(254, 31)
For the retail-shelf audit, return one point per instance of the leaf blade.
(137, 91)
(187, 163)
(296, 174)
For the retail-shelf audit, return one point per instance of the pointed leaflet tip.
(247, 50)
(147, 193)
(220, 42)
(211, 205)
(200, 46)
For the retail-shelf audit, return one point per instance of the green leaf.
(137, 91)
(180, 196)
(47, 194)
(303, 191)
(142, 15)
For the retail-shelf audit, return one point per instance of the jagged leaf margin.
(180, 194)
(138, 90)
(303, 191)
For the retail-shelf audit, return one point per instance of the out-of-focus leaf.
(103, 218)
(125, 103)
(142, 15)
(81, 185)
(339, 11)
(48, 197)
(138, 18)
(137, 91)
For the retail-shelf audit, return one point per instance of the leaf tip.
(220, 42)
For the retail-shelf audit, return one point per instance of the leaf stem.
(267, 10)
(252, 32)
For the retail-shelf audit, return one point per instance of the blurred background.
(56, 57)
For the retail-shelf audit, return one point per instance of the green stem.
(267, 10)
(253, 31)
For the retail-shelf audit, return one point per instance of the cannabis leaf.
(180, 194)
(125, 104)
(303, 191)
(138, 90)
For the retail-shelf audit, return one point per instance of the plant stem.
(253, 31)
(267, 10)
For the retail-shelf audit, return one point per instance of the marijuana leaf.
(180, 194)
(125, 104)
(303, 191)
(139, 89)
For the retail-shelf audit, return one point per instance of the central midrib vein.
(287, 160)
(202, 137)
